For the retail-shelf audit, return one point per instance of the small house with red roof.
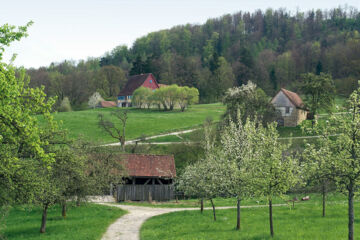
(290, 107)
(149, 177)
(143, 80)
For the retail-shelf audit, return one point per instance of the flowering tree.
(317, 166)
(251, 101)
(95, 99)
(343, 152)
(209, 177)
(237, 144)
(272, 173)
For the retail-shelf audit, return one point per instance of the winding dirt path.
(128, 226)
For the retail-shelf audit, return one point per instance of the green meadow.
(302, 222)
(141, 122)
(88, 222)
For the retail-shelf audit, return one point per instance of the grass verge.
(88, 222)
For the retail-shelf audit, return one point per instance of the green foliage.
(168, 97)
(9, 34)
(65, 105)
(319, 91)
(273, 173)
(342, 162)
(21, 137)
(142, 97)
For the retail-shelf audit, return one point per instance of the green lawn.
(226, 202)
(141, 122)
(88, 222)
(303, 222)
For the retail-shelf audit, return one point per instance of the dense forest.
(271, 48)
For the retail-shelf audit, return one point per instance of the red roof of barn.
(134, 83)
(141, 165)
(294, 98)
(107, 104)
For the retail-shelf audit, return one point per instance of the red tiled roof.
(140, 165)
(107, 104)
(294, 98)
(133, 83)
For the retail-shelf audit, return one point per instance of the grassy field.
(228, 202)
(141, 122)
(86, 222)
(303, 222)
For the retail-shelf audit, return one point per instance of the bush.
(65, 105)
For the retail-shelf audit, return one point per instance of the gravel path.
(128, 226)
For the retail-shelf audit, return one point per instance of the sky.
(78, 29)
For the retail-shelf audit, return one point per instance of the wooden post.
(150, 197)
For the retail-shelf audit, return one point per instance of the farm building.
(143, 80)
(290, 107)
(150, 177)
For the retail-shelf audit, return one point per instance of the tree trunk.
(63, 212)
(202, 205)
(271, 219)
(238, 215)
(43, 219)
(324, 199)
(351, 211)
(213, 207)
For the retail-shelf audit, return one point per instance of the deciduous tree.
(319, 91)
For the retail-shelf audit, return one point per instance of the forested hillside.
(271, 48)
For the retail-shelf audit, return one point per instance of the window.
(150, 81)
(121, 98)
(287, 110)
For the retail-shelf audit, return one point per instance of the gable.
(281, 100)
(150, 82)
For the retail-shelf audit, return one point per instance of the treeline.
(271, 48)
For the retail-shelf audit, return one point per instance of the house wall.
(150, 82)
(295, 115)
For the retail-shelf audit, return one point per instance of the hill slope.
(140, 121)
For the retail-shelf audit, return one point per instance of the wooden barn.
(150, 177)
(143, 80)
(290, 107)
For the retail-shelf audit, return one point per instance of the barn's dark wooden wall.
(145, 192)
